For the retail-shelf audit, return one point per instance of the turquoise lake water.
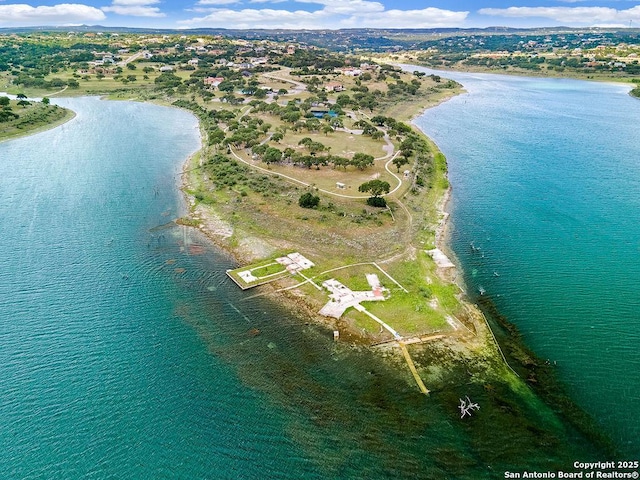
(544, 220)
(125, 352)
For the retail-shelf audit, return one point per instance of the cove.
(545, 177)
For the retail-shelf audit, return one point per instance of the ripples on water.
(126, 353)
(545, 187)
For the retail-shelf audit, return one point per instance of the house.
(213, 81)
(193, 62)
(349, 71)
(291, 49)
(166, 68)
(334, 87)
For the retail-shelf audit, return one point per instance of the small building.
(340, 186)
(194, 62)
(213, 81)
(349, 71)
(166, 68)
(291, 49)
(334, 87)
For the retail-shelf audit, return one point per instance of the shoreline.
(534, 371)
(547, 390)
(524, 73)
(69, 115)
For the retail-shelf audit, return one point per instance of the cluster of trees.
(6, 113)
(319, 60)
(35, 81)
(318, 155)
(403, 88)
(518, 61)
(369, 130)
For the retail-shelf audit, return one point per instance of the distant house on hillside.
(213, 81)
(349, 71)
(334, 87)
(166, 68)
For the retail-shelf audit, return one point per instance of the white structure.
(247, 276)
(341, 297)
(295, 262)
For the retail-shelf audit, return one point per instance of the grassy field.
(263, 208)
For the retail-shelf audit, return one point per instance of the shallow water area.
(544, 215)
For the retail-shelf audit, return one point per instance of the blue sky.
(318, 14)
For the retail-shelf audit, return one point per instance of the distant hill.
(348, 39)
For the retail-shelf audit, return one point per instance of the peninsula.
(313, 176)
(22, 116)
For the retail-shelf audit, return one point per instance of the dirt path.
(300, 87)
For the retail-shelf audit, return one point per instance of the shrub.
(309, 200)
(376, 202)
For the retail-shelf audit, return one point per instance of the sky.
(322, 14)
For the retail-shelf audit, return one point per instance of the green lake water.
(125, 352)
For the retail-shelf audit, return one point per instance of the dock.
(413, 369)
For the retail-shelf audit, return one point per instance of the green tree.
(46, 100)
(399, 161)
(376, 188)
(4, 101)
(362, 160)
(272, 155)
(309, 200)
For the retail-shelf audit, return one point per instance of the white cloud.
(253, 18)
(217, 2)
(425, 18)
(569, 15)
(347, 7)
(62, 14)
(135, 2)
(334, 14)
(134, 8)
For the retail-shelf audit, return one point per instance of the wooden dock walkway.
(413, 369)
